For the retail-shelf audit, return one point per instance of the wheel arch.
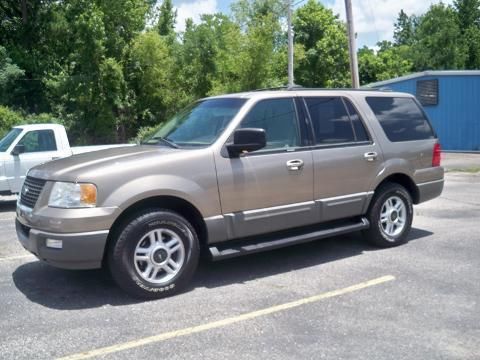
(404, 180)
(173, 203)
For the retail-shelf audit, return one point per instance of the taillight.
(437, 155)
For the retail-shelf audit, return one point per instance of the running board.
(236, 248)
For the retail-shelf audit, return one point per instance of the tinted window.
(401, 118)
(331, 122)
(278, 118)
(39, 140)
(360, 132)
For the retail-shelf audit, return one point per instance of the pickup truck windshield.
(199, 124)
(9, 138)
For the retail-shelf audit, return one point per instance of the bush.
(144, 133)
(10, 118)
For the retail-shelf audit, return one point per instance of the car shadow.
(73, 290)
(8, 205)
(247, 268)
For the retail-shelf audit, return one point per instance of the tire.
(154, 254)
(390, 216)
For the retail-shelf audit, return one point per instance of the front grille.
(31, 190)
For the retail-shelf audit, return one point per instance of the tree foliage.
(438, 41)
(108, 68)
(324, 40)
(389, 62)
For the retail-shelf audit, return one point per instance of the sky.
(373, 19)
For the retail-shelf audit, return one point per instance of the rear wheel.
(155, 254)
(390, 216)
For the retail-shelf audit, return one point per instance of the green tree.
(468, 17)
(203, 44)
(389, 62)
(324, 40)
(149, 70)
(88, 86)
(167, 19)
(404, 29)
(439, 44)
(468, 13)
(24, 32)
(252, 47)
(9, 72)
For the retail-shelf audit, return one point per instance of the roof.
(425, 73)
(39, 126)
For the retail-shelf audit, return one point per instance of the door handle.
(370, 156)
(294, 165)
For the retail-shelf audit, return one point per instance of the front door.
(40, 147)
(269, 189)
(346, 160)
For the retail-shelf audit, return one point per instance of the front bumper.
(79, 250)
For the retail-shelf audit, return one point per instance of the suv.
(235, 174)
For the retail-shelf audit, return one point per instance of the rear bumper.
(79, 250)
(430, 190)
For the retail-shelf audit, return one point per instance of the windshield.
(199, 124)
(9, 138)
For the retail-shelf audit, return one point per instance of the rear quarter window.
(401, 118)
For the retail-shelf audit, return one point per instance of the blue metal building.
(451, 100)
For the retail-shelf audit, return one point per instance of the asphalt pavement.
(335, 298)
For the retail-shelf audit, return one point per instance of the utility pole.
(352, 46)
(290, 45)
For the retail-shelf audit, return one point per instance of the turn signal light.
(88, 194)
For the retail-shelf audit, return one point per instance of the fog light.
(54, 244)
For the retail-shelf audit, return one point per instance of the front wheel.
(155, 254)
(390, 216)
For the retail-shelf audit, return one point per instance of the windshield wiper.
(163, 140)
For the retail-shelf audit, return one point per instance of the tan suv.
(235, 174)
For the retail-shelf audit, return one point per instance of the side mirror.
(18, 149)
(247, 140)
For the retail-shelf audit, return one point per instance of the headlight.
(71, 195)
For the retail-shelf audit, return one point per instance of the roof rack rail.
(283, 87)
(301, 88)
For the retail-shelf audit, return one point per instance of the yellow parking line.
(8, 258)
(225, 322)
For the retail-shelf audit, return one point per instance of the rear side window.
(332, 123)
(401, 118)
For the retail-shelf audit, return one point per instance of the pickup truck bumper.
(78, 250)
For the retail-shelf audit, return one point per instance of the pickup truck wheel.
(155, 254)
(390, 216)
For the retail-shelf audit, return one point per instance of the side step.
(257, 244)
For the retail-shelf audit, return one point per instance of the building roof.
(425, 73)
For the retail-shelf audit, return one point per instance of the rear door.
(270, 189)
(40, 147)
(346, 159)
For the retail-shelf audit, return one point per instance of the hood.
(86, 165)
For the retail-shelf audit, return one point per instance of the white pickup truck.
(28, 145)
